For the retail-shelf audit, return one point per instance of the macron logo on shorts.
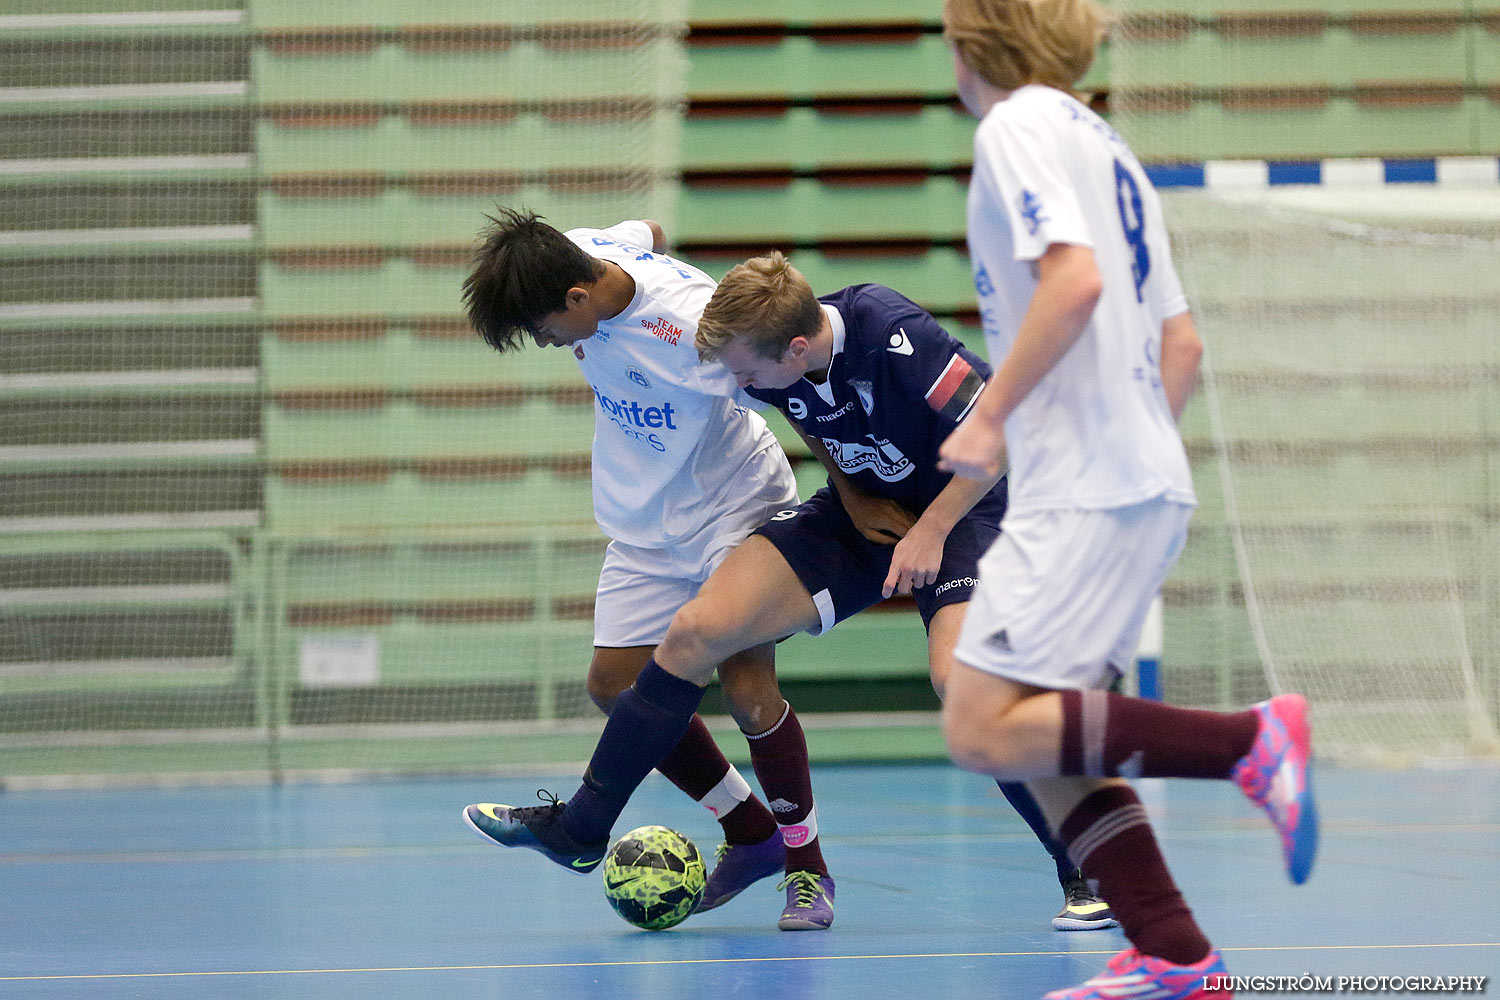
(963, 581)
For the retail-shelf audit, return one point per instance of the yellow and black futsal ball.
(653, 877)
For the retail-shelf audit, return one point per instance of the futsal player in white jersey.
(1095, 356)
(682, 472)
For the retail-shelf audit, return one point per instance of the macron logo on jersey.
(659, 327)
(900, 343)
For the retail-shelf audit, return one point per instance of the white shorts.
(1063, 594)
(641, 589)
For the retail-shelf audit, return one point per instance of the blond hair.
(1011, 43)
(764, 300)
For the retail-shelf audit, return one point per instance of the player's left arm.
(1066, 293)
(937, 375)
(879, 519)
(1181, 351)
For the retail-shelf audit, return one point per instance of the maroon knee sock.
(780, 758)
(1109, 837)
(698, 767)
(1109, 735)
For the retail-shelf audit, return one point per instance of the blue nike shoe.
(536, 827)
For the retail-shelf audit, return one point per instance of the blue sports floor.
(378, 890)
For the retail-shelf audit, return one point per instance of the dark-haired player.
(682, 472)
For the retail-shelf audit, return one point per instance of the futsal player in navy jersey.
(875, 385)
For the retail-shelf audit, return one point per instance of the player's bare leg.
(611, 670)
(1018, 733)
(1001, 727)
(1102, 823)
(752, 600)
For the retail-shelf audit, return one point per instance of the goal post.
(1338, 242)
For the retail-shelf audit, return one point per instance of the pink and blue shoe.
(1133, 976)
(1277, 776)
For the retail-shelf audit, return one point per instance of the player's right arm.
(1181, 350)
(1066, 294)
(881, 520)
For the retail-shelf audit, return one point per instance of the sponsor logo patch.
(638, 421)
(663, 330)
(879, 456)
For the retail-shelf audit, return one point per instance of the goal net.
(1346, 436)
(266, 501)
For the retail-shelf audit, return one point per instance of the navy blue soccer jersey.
(898, 385)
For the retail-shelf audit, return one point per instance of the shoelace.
(1078, 893)
(808, 886)
(1076, 889)
(550, 807)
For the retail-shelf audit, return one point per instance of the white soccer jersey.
(671, 436)
(1096, 432)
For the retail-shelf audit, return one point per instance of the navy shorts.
(844, 571)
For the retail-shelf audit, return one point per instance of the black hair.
(521, 272)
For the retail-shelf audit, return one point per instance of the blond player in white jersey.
(682, 472)
(1095, 356)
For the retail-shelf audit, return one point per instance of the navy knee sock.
(1020, 798)
(648, 720)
